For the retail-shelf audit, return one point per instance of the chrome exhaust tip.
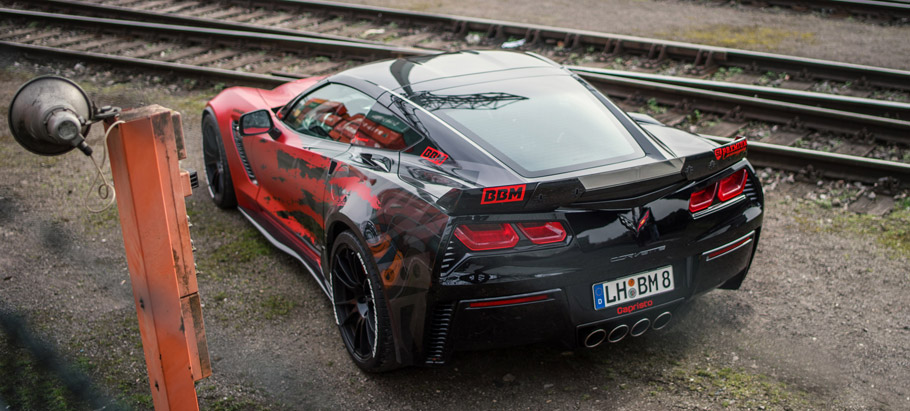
(595, 337)
(618, 333)
(662, 320)
(640, 327)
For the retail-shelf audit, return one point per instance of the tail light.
(732, 186)
(726, 189)
(701, 200)
(543, 233)
(480, 237)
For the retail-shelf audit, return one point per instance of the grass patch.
(25, 386)
(248, 245)
(744, 390)
(891, 230)
(749, 37)
(725, 73)
(233, 404)
(654, 107)
(277, 306)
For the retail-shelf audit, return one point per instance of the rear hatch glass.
(537, 126)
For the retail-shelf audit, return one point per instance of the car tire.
(359, 305)
(217, 171)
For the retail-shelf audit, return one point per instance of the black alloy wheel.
(359, 305)
(217, 172)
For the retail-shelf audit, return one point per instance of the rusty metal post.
(144, 151)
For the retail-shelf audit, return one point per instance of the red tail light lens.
(480, 237)
(732, 186)
(543, 233)
(701, 200)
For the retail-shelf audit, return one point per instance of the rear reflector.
(480, 237)
(732, 186)
(701, 200)
(510, 301)
(543, 233)
(729, 248)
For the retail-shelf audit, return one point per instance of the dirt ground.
(821, 322)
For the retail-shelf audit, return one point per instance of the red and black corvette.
(480, 199)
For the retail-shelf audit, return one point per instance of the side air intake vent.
(438, 335)
(238, 141)
(448, 259)
(750, 191)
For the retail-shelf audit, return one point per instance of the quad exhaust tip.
(640, 327)
(595, 337)
(662, 320)
(618, 333)
(599, 335)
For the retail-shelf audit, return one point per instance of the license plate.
(633, 287)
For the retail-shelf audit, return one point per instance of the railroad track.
(442, 32)
(274, 58)
(894, 11)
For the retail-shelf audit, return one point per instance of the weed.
(744, 37)
(26, 386)
(736, 386)
(248, 245)
(772, 79)
(654, 107)
(277, 306)
(725, 73)
(232, 404)
(891, 231)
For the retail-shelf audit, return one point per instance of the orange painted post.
(144, 151)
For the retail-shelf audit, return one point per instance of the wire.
(105, 190)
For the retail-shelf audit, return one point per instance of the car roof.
(426, 73)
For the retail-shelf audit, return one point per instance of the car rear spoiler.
(619, 188)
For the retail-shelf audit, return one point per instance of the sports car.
(480, 199)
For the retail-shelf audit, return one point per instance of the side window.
(382, 129)
(331, 112)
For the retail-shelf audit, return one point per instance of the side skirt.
(281, 246)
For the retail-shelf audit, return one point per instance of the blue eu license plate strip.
(633, 287)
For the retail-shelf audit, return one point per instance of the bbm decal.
(505, 194)
(435, 156)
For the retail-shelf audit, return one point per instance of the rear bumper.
(553, 287)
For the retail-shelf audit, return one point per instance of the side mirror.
(258, 122)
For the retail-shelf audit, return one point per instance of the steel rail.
(701, 55)
(292, 43)
(731, 105)
(798, 67)
(794, 115)
(762, 155)
(204, 72)
(100, 10)
(881, 108)
(891, 10)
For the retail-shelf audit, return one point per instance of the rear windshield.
(537, 126)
